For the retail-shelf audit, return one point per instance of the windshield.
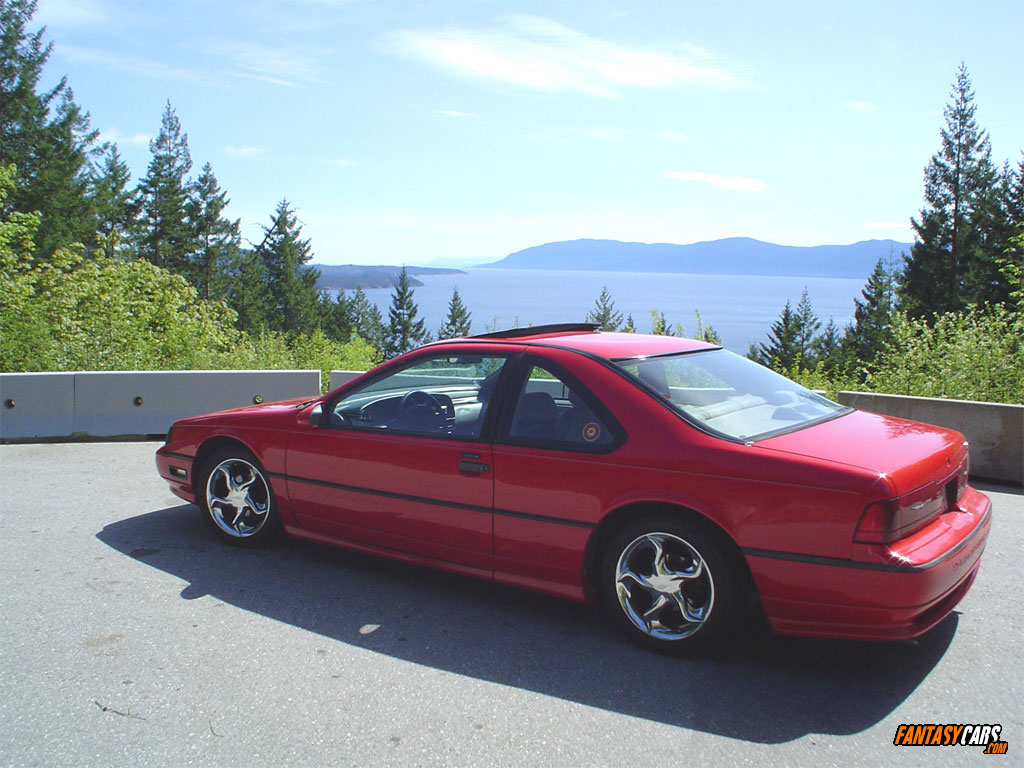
(730, 394)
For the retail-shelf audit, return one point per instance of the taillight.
(879, 523)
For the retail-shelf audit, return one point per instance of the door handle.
(475, 467)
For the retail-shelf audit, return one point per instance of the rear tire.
(237, 500)
(672, 583)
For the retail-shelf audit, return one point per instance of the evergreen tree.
(661, 327)
(367, 321)
(807, 327)
(604, 313)
(294, 297)
(953, 260)
(827, 348)
(165, 236)
(404, 331)
(44, 134)
(781, 351)
(630, 326)
(459, 320)
(247, 290)
(112, 203)
(335, 316)
(218, 239)
(871, 331)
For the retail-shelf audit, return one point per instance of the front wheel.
(237, 499)
(672, 584)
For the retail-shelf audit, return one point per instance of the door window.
(552, 413)
(437, 396)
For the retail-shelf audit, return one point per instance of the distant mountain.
(731, 256)
(351, 276)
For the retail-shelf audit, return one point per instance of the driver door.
(403, 462)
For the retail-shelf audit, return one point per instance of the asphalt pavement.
(132, 637)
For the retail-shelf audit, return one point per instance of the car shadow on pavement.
(759, 688)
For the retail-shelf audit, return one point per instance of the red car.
(670, 480)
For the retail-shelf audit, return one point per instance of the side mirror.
(316, 414)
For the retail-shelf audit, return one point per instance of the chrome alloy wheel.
(664, 586)
(238, 498)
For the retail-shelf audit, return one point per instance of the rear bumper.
(176, 469)
(890, 598)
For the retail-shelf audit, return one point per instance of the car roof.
(587, 339)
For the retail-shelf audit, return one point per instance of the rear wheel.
(672, 584)
(237, 499)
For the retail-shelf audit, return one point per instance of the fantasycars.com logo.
(957, 734)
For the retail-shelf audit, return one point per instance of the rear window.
(731, 395)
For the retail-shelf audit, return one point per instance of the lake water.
(740, 307)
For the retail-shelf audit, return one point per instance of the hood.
(261, 411)
(908, 453)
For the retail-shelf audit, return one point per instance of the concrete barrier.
(39, 406)
(342, 377)
(994, 430)
(132, 403)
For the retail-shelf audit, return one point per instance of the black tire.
(237, 500)
(672, 583)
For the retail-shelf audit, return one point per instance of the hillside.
(731, 256)
(351, 276)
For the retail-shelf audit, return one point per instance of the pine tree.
(781, 351)
(218, 239)
(247, 290)
(604, 313)
(335, 316)
(44, 134)
(294, 297)
(630, 326)
(165, 237)
(459, 320)
(952, 262)
(404, 331)
(112, 203)
(872, 319)
(807, 327)
(367, 321)
(827, 348)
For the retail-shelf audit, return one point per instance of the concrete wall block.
(36, 405)
(994, 430)
(343, 377)
(115, 403)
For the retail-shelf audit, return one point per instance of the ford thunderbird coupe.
(679, 486)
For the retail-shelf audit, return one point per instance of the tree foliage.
(291, 285)
(404, 330)
(164, 235)
(459, 320)
(45, 134)
(961, 228)
(604, 313)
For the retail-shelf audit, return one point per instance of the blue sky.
(412, 132)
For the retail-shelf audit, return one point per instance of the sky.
(435, 132)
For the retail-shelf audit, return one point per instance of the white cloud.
(538, 53)
(272, 64)
(887, 225)
(135, 64)
(66, 14)
(244, 150)
(453, 113)
(859, 106)
(672, 136)
(734, 183)
(114, 136)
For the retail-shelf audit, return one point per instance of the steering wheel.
(420, 411)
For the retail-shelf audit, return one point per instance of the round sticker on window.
(591, 432)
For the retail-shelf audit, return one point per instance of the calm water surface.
(740, 307)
